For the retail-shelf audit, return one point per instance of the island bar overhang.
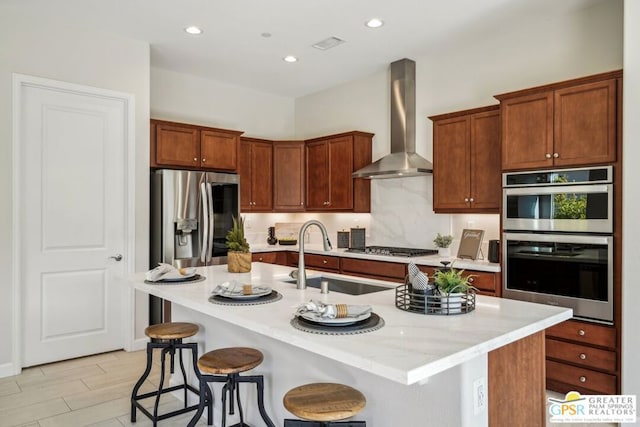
(423, 366)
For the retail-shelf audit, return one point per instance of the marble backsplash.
(401, 215)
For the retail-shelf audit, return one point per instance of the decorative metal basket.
(417, 301)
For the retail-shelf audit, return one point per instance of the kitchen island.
(417, 370)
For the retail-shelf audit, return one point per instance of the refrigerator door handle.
(205, 220)
(210, 221)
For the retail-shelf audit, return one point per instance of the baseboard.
(139, 344)
(7, 370)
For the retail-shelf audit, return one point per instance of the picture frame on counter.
(470, 244)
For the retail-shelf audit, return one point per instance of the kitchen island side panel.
(444, 400)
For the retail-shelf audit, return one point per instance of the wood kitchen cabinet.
(329, 163)
(571, 123)
(182, 145)
(383, 270)
(466, 161)
(485, 282)
(288, 176)
(256, 175)
(326, 263)
(582, 356)
(276, 257)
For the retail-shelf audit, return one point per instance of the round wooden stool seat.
(171, 330)
(230, 360)
(324, 401)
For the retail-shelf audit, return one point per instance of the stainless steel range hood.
(403, 160)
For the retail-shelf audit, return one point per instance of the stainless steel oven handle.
(579, 189)
(205, 220)
(560, 238)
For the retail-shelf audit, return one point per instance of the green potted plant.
(452, 285)
(238, 256)
(442, 243)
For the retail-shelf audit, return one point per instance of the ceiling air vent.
(328, 43)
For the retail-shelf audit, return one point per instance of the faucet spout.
(301, 282)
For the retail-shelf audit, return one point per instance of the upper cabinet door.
(451, 172)
(485, 160)
(340, 168)
(317, 180)
(177, 146)
(262, 176)
(288, 176)
(527, 131)
(245, 170)
(219, 150)
(585, 124)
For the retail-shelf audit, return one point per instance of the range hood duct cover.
(403, 161)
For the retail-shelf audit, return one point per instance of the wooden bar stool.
(324, 404)
(224, 366)
(168, 337)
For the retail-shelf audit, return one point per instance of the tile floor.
(89, 391)
(95, 391)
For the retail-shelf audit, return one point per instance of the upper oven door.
(571, 208)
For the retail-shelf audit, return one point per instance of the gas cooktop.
(393, 251)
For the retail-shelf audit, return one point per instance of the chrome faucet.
(301, 283)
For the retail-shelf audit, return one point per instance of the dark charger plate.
(194, 278)
(372, 323)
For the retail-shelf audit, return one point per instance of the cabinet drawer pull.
(583, 356)
(581, 332)
(470, 280)
(556, 155)
(324, 261)
(548, 156)
(471, 199)
(466, 199)
(260, 259)
(195, 159)
(583, 379)
(204, 160)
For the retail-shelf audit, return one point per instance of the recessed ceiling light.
(290, 58)
(193, 30)
(374, 23)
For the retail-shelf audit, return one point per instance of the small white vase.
(444, 252)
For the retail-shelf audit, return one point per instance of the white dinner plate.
(342, 321)
(257, 292)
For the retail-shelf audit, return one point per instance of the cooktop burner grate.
(395, 251)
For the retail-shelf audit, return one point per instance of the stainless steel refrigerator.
(191, 213)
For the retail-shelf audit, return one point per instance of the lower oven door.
(574, 271)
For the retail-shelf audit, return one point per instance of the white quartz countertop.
(410, 347)
(431, 260)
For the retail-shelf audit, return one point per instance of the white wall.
(505, 57)
(191, 99)
(631, 206)
(36, 47)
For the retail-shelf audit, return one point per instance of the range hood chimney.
(403, 160)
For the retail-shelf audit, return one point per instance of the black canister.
(343, 239)
(494, 251)
(271, 238)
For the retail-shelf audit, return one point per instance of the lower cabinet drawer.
(269, 257)
(583, 332)
(375, 269)
(588, 357)
(319, 262)
(483, 281)
(581, 377)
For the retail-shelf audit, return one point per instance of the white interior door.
(72, 221)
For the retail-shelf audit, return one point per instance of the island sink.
(343, 286)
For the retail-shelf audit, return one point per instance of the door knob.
(117, 257)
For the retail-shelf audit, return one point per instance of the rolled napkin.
(421, 282)
(413, 271)
(235, 288)
(167, 271)
(333, 311)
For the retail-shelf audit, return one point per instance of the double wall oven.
(558, 239)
